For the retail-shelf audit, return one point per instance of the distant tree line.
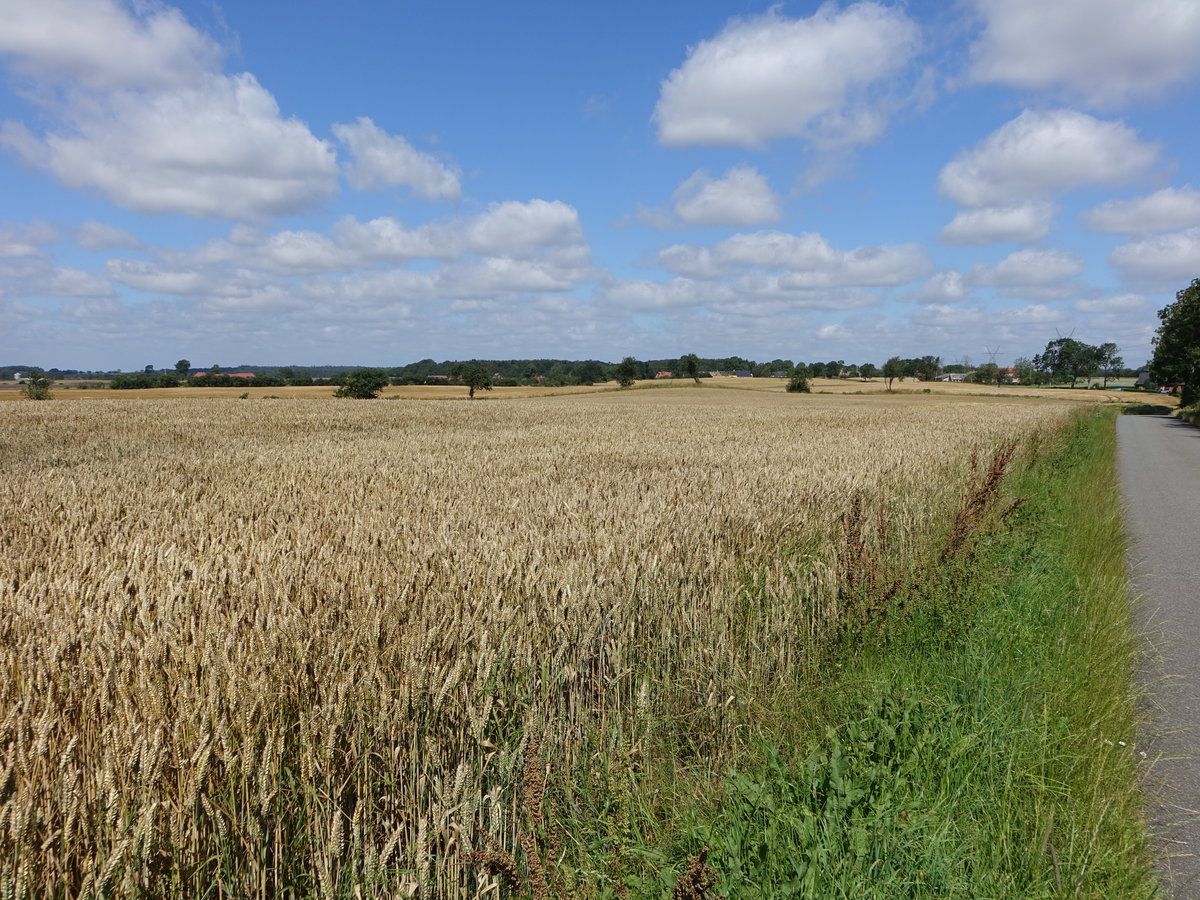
(214, 376)
(562, 372)
(1064, 361)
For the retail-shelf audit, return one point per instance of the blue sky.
(374, 183)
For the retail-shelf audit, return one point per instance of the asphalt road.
(1159, 466)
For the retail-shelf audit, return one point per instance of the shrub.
(37, 386)
(798, 383)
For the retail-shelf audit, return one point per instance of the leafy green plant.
(627, 371)
(798, 383)
(37, 386)
(850, 813)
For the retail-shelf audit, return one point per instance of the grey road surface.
(1159, 466)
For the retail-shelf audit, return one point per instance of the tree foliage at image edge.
(1177, 344)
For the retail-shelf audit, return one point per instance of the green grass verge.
(979, 743)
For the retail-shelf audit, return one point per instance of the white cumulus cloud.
(1040, 153)
(1033, 314)
(25, 241)
(645, 294)
(942, 288)
(68, 282)
(511, 228)
(740, 197)
(97, 236)
(519, 228)
(511, 248)
(1017, 223)
(1164, 210)
(802, 291)
(383, 160)
(104, 44)
(769, 76)
(152, 278)
(1028, 267)
(1164, 258)
(1122, 303)
(808, 259)
(940, 315)
(160, 129)
(1105, 52)
(301, 251)
(499, 274)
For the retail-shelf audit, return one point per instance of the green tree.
(1108, 361)
(474, 376)
(798, 383)
(690, 364)
(893, 369)
(1025, 370)
(182, 368)
(733, 364)
(1067, 358)
(868, 370)
(984, 374)
(627, 371)
(588, 372)
(362, 384)
(929, 368)
(990, 373)
(1177, 344)
(37, 386)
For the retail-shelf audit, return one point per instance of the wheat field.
(290, 647)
